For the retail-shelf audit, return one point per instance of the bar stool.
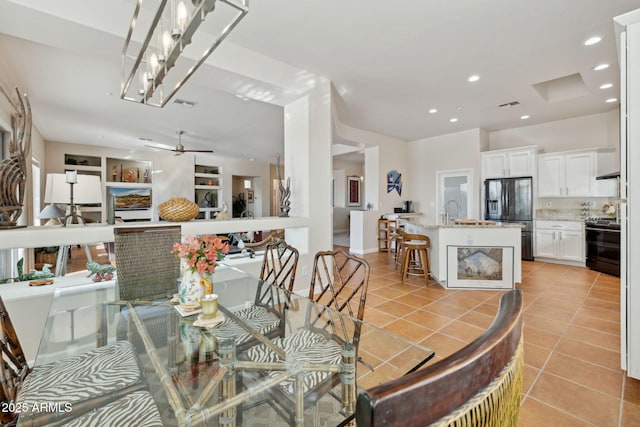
(395, 246)
(415, 256)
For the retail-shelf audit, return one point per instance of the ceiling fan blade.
(198, 151)
(160, 148)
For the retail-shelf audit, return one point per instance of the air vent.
(508, 105)
(184, 103)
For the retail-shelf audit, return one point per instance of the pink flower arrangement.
(201, 254)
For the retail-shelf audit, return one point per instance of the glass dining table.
(208, 375)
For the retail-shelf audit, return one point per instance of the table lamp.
(73, 189)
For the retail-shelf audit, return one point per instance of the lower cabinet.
(560, 240)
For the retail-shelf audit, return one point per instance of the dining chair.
(337, 296)
(146, 267)
(146, 270)
(266, 314)
(85, 381)
(478, 385)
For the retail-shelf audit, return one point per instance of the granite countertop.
(559, 219)
(497, 225)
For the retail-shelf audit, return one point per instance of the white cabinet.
(509, 163)
(560, 240)
(573, 174)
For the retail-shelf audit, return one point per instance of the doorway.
(454, 196)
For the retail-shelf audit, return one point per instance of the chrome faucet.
(446, 210)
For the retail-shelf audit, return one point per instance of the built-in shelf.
(207, 184)
(127, 184)
(128, 171)
(82, 161)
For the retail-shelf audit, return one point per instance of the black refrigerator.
(511, 200)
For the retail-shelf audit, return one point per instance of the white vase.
(193, 286)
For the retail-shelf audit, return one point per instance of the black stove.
(603, 223)
(603, 245)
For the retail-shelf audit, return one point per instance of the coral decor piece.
(100, 272)
(13, 170)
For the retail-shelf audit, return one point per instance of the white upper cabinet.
(509, 163)
(573, 174)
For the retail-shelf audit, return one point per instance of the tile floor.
(571, 337)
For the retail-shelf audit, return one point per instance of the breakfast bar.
(476, 255)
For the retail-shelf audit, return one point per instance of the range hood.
(612, 175)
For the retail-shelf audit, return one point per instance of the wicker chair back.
(147, 269)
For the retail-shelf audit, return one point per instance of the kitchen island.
(480, 256)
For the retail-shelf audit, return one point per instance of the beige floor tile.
(572, 373)
(589, 353)
(576, 400)
(534, 413)
(585, 373)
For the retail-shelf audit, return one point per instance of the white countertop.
(497, 225)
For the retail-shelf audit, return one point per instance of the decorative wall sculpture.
(394, 182)
(13, 170)
(285, 192)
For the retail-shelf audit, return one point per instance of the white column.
(307, 160)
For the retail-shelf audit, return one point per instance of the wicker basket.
(178, 209)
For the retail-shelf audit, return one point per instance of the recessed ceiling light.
(459, 107)
(524, 117)
(433, 110)
(610, 100)
(601, 67)
(473, 78)
(592, 40)
(453, 119)
(606, 86)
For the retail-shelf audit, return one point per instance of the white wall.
(427, 156)
(308, 161)
(383, 154)
(595, 130)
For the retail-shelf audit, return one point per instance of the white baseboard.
(366, 251)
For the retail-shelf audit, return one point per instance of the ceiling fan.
(180, 148)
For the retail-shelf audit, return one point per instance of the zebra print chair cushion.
(85, 380)
(308, 347)
(137, 409)
(257, 317)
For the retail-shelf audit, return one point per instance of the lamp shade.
(51, 211)
(88, 189)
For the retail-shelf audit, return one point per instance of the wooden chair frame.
(14, 367)
(339, 282)
(480, 384)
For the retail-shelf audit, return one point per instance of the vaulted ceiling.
(391, 62)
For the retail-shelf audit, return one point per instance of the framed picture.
(249, 196)
(480, 267)
(353, 191)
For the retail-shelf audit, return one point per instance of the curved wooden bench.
(480, 384)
